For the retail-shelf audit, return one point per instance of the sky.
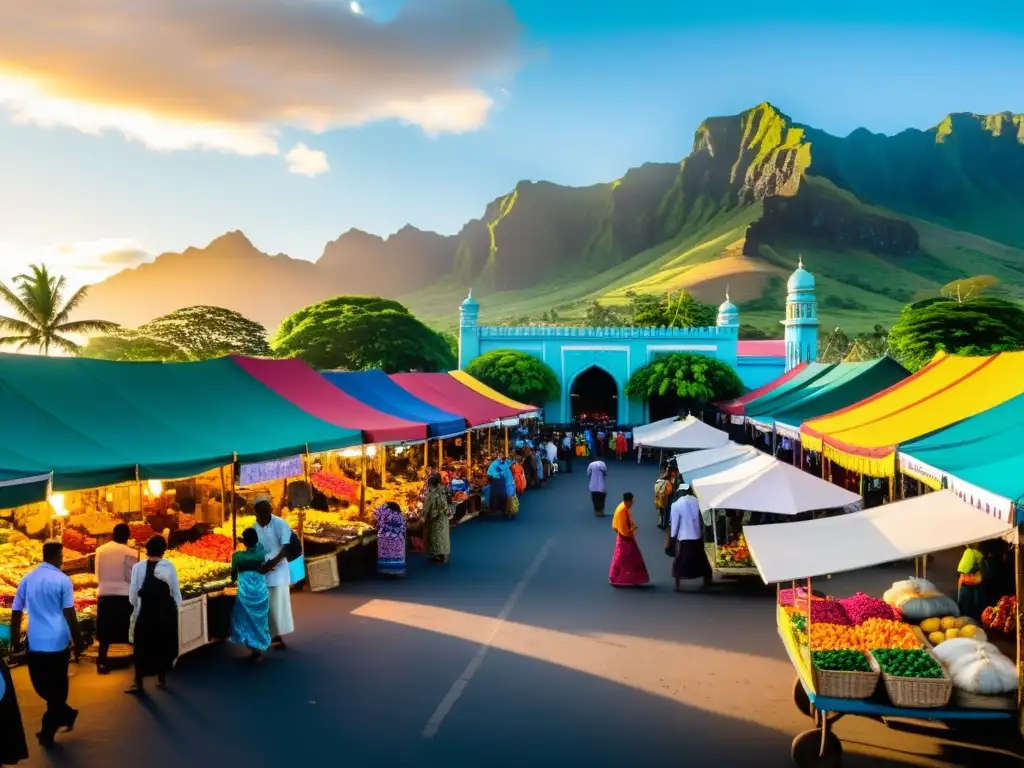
(128, 129)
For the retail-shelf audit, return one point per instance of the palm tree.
(38, 300)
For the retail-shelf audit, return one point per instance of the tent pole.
(362, 484)
(469, 451)
(234, 512)
(489, 442)
(138, 483)
(440, 454)
(383, 466)
(426, 457)
(506, 442)
(223, 497)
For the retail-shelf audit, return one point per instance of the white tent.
(689, 434)
(765, 484)
(898, 531)
(697, 464)
(640, 434)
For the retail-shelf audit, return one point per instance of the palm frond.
(86, 326)
(17, 304)
(6, 341)
(15, 326)
(61, 316)
(67, 345)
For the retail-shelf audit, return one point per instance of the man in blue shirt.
(47, 596)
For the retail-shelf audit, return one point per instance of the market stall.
(762, 486)
(737, 407)
(641, 433)
(870, 657)
(697, 464)
(687, 434)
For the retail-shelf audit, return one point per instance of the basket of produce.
(843, 674)
(913, 678)
(322, 573)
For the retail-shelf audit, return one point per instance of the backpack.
(661, 493)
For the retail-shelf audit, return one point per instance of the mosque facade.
(593, 364)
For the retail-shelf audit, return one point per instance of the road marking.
(434, 723)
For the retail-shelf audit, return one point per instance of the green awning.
(844, 385)
(784, 392)
(92, 422)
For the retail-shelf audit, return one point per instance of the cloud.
(81, 262)
(229, 75)
(306, 162)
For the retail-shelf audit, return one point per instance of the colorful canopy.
(449, 394)
(377, 390)
(900, 531)
(864, 437)
(985, 451)
(299, 384)
(737, 407)
(765, 484)
(843, 385)
(93, 423)
(789, 390)
(480, 388)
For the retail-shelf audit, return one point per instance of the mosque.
(594, 364)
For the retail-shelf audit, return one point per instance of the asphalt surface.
(516, 653)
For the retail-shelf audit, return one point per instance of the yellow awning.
(482, 389)
(865, 436)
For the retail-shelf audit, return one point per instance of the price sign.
(269, 471)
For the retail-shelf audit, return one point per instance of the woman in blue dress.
(250, 618)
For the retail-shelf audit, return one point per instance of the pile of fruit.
(861, 607)
(840, 661)
(939, 630)
(900, 662)
(141, 533)
(887, 633)
(212, 546)
(78, 542)
(335, 486)
(92, 521)
(734, 554)
(196, 575)
(1002, 617)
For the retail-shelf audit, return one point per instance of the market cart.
(903, 530)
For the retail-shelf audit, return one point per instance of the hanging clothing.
(250, 616)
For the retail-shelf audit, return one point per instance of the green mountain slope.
(880, 220)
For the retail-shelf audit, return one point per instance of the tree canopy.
(124, 345)
(359, 333)
(977, 326)
(693, 379)
(44, 317)
(203, 333)
(517, 375)
(678, 310)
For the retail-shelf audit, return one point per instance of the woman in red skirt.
(628, 568)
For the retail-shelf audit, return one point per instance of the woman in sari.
(250, 617)
(435, 513)
(628, 568)
(155, 598)
(497, 499)
(390, 539)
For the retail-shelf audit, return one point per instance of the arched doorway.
(595, 393)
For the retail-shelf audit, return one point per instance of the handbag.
(670, 545)
(293, 548)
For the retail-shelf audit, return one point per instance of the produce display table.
(193, 627)
(731, 570)
(819, 746)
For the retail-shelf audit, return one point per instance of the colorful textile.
(622, 521)
(736, 407)
(390, 540)
(628, 568)
(520, 477)
(250, 616)
(435, 512)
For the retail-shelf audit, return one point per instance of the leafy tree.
(360, 333)
(869, 346)
(678, 310)
(835, 347)
(978, 326)
(128, 346)
(753, 333)
(45, 317)
(694, 379)
(205, 332)
(968, 288)
(599, 315)
(517, 375)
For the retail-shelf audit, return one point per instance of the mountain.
(879, 219)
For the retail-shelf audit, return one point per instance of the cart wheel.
(801, 699)
(807, 750)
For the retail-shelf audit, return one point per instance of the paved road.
(517, 653)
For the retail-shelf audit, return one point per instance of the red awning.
(737, 406)
(302, 386)
(444, 392)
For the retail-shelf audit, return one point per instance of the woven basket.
(844, 685)
(322, 573)
(968, 700)
(916, 692)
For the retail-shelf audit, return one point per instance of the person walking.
(391, 527)
(620, 445)
(275, 536)
(114, 563)
(47, 596)
(155, 597)
(663, 498)
(597, 472)
(628, 568)
(497, 499)
(568, 450)
(436, 511)
(686, 539)
(13, 748)
(250, 616)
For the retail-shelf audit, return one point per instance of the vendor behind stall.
(114, 563)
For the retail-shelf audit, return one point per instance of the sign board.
(269, 471)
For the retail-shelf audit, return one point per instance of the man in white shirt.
(274, 534)
(686, 533)
(114, 563)
(569, 450)
(596, 474)
(46, 595)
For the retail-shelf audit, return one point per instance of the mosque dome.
(728, 314)
(801, 280)
(469, 302)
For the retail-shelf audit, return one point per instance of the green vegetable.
(899, 662)
(798, 622)
(840, 661)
